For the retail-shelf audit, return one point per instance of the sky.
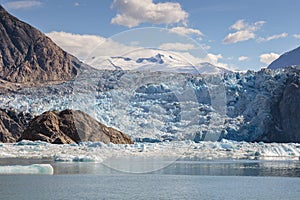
(237, 34)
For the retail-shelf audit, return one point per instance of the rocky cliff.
(71, 126)
(286, 112)
(27, 55)
(65, 127)
(12, 124)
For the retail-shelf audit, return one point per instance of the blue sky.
(243, 34)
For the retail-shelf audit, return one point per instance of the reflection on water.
(212, 168)
(234, 168)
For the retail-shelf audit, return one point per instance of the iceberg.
(158, 155)
(46, 169)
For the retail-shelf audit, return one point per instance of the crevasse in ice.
(164, 106)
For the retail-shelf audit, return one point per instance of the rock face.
(290, 110)
(27, 55)
(70, 126)
(286, 112)
(288, 59)
(12, 125)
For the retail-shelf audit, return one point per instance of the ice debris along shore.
(183, 150)
(164, 106)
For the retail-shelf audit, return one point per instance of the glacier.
(161, 106)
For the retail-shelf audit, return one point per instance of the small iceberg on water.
(45, 169)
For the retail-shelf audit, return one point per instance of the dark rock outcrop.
(27, 55)
(71, 126)
(290, 110)
(12, 125)
(286, 112)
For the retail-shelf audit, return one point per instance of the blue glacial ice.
(46, 169)
(164, 106)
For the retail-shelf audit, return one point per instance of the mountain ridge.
(28, 55)
(287, 59)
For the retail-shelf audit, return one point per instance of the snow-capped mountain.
(156, 60)
(287, 59)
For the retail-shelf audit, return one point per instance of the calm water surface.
(181, 180)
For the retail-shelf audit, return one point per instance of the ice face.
(46, 169)
(165, 106)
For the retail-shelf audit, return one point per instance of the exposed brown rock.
(71, 126)
(12, 125)
(27, 55)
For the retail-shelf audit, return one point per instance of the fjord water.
(224, 179)
(146, 186)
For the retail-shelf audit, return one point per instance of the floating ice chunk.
(71, 158)
(27, 169)
(93, 144)
(32, 143)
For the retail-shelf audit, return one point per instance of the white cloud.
(78, 45)
(273, 37)
(134, 12)
(180, 30)
(238, 37)
(86, 47)
(244, 31)
(177, 46)
(243, 58)
(267, 58)
(76, 4)
(213, 59)
(205, 46)
(297, 36)
(16, 5)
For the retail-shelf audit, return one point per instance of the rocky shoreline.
(65, 127)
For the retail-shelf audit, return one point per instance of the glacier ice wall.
(166, 106)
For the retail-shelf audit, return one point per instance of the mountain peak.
(287, 59)
(27, 55)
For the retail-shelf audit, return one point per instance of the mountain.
(155, 60)
(287, 59)
(27, 55)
